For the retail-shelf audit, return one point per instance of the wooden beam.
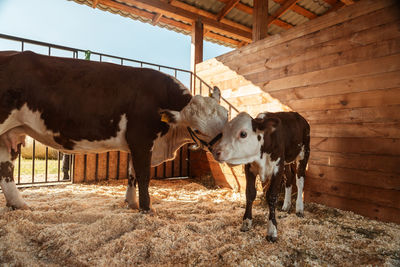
(210, 15)
(304, 12)
(285, 7)
(185, 15)
(347, 2)
(196, 49)
(335, 7)
(156, 18)
(223, 39)
(227, 8)
(331, 2)
(260, 16)
(94, 3)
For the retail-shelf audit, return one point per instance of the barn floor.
(88, 225)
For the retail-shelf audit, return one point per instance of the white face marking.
(299, 200)
(272, 229)
(288, 199)
(239, 143)
(205, 116)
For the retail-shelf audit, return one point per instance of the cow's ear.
(170, 116)
(269, 124)
(216, 94)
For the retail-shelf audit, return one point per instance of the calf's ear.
(170, 116)
(267, 124)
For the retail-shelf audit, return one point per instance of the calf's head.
(243, 137)
(203, 116)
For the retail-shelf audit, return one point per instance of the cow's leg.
(251, 193)
(289, 174)
(272, 195)
(141, 157)
(13, 197)
(130, 196)
(301, 174)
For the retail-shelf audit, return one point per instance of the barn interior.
(336, 62)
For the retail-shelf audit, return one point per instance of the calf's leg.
(251, 193)
(289, 174)
(301, 174)
(272, 195)
(13, 197)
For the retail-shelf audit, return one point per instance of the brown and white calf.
(266, 144)
(82, 106)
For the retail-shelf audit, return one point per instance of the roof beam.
(156, 18)
(94, 3)
(260, 15)
(209, 15)
(184, 15)
(227, 8)
(285, 7)
(347, 2)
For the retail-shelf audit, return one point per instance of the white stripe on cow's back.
(34, 126)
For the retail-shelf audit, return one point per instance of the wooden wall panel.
(342, 72)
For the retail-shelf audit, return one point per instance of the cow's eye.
(243, 134)
(197, 131)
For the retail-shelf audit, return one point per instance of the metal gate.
(179, 167)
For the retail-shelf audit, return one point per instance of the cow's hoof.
(246, 225)
(132, 206)
(300, 214)
(271, 239)
(18, 207)
(151, 211)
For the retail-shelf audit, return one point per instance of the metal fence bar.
(33, 161)
(46, 163)
(58, 165)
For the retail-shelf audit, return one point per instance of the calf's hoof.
(271, 239)
(246, 225)
(285, 209)
(300, 214)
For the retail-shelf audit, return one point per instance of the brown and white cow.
(82, 106)
(266, 144)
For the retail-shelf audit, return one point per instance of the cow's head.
(243, 137)
(203, 116)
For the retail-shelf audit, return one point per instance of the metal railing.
(194, 83)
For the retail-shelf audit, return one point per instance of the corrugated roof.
(239, 17)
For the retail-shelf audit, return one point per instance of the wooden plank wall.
(342, 73)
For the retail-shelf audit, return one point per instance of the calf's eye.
(197, 131)
(243, 134)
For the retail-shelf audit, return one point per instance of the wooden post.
(196, 55)
(260, 15)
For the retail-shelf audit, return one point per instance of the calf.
(266, 144)
(83, 106)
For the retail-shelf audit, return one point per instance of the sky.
(70, 24)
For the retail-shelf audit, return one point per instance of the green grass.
(40, 170)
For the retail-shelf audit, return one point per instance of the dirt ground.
(89, 225)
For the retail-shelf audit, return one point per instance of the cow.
(82, 106)
(265, 145)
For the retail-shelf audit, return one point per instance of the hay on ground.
(89, 225)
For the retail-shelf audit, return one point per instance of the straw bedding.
(89, 225)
